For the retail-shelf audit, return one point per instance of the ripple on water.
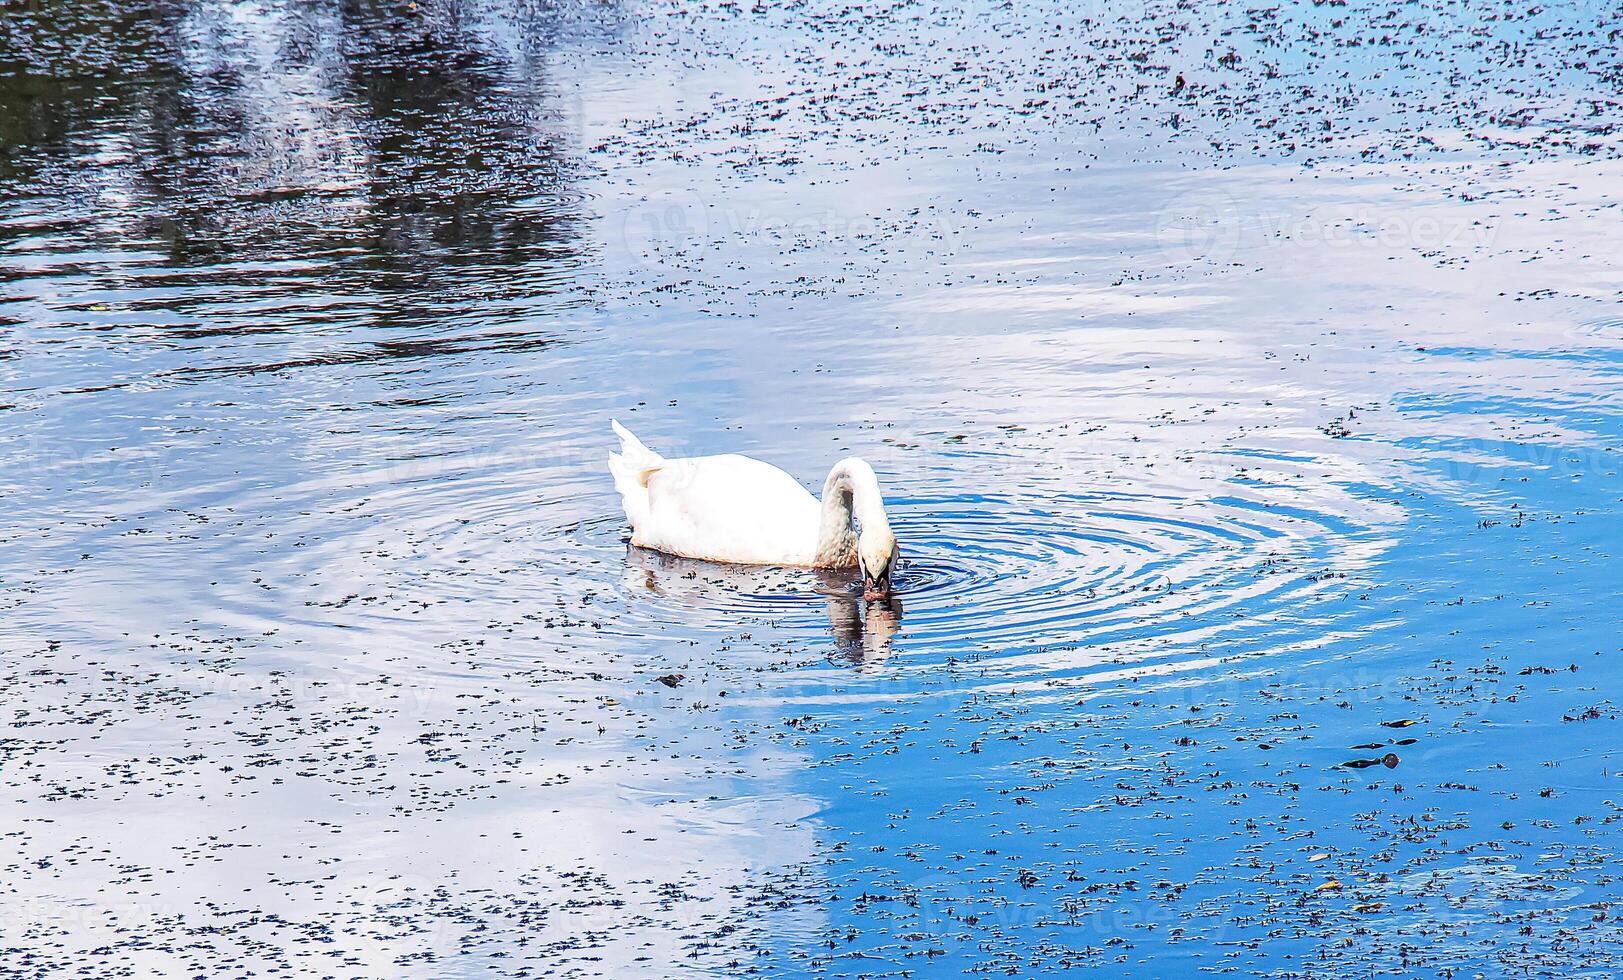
(1019, 588)
(1605, 328)
(1028, 589)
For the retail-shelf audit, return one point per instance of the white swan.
(736, 509)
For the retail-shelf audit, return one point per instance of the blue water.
(1252, 445)
(1173, 827)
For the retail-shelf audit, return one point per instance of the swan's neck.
(851, 491)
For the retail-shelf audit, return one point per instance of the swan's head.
(876, 551)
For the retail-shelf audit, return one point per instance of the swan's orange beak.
(876, 586)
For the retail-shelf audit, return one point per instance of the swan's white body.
(736, 509)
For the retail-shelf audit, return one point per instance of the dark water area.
(1244, 383)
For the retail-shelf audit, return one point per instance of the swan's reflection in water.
(862, 630)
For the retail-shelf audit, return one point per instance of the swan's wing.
(730, 508)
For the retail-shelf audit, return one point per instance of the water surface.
(1252, 441)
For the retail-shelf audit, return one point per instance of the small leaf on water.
(1330, 885)
(1400, 723)
(1318, 857)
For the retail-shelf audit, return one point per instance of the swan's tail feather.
(632, 448)
(631, 467)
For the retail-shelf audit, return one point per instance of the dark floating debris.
(1389, 760)
(1372, 746)
(1400, 723)
(670, 680)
